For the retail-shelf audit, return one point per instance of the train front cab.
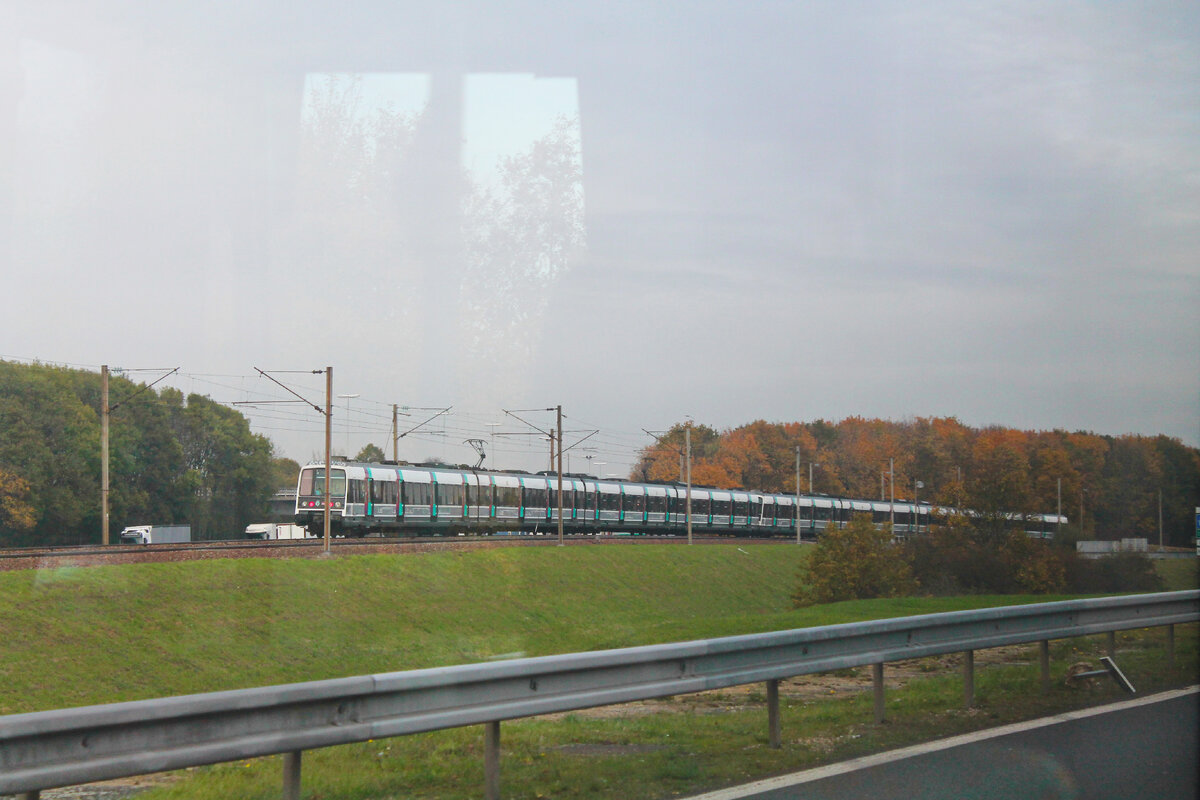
(310, 498)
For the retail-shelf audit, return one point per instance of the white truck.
(156, 534)
(275, 530)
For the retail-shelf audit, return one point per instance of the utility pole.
(1058, 522)
(892, 484)
(685, 472)
(1160, 525)
(797, 494)
(328, 445)
(550, 434)
(395, 436)
(687, 434)
(560, 478)
(813, 521)
(917, 487)
(104, 411)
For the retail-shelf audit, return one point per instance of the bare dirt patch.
(119, 789)
(896, 675)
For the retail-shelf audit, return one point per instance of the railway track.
(99, 555)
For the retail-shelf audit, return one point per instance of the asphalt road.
(1142, 748)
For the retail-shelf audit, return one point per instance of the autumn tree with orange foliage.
(996, 471)
(16, 511)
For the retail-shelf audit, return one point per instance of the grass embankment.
(104, 634)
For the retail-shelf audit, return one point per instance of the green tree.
(283, 473)
(1180, 489)
(855, 562)
(1128, 504)
(229, 467)
(170, 460)
(370, 452)
(52, 441)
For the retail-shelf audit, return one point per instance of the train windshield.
(312, 482)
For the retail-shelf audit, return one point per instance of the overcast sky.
(792, 211)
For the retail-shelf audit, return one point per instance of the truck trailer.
(156, 534)
(275, 530)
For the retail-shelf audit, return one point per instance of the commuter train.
(424, 499)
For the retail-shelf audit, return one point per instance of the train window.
(418, 494)
(656, 503)
(635, 502)
(610, 502)
(480, 495)
(535, 498)
(450, 494)
(568, 498)
(508, 496)
(312, 482)
(383, 492)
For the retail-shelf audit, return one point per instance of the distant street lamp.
(348, 398)
(493, 426)
(917, 486)
(813, 515)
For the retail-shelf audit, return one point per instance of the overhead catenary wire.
(268, 412)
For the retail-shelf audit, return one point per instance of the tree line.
(1109, 484)
(957, 557)
(172, 459)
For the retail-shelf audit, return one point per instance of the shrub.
(856, 562)
(954, 558)
(1120, 572)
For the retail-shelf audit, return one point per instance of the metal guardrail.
(79, 745)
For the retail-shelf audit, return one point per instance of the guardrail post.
(291, 775)
(968, 677)
(1171, 646)
(877, 679)
(491, 760)
(773, 712)
(1111, 638)
(1044, 658)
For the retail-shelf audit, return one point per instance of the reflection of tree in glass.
(350, 242)
(375, 194)
(520, 237)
